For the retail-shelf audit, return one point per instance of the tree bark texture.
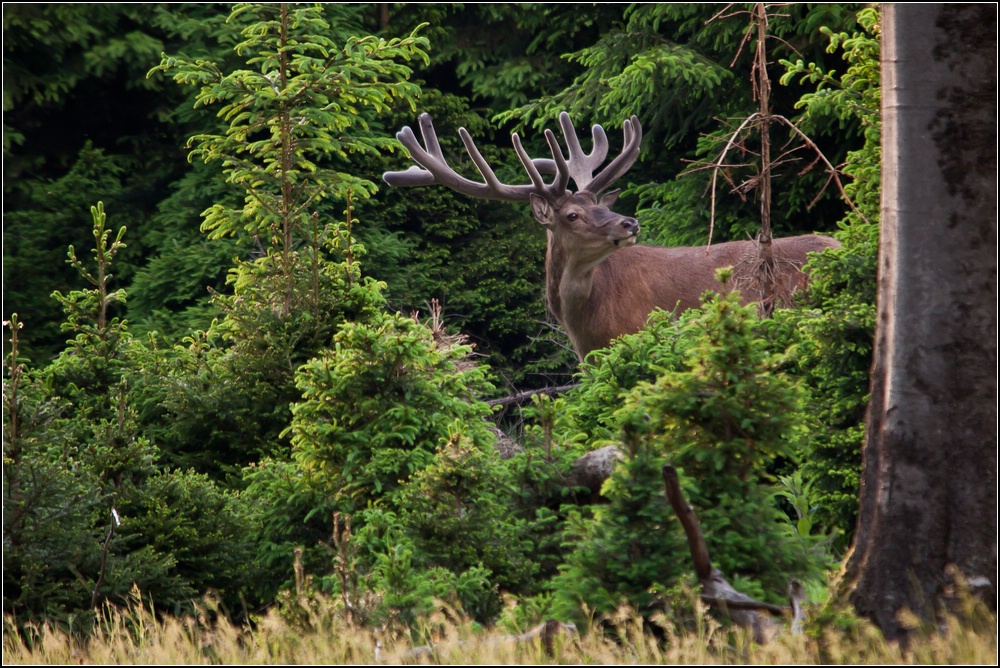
(928, 498)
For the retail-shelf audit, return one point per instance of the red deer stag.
(599, 283)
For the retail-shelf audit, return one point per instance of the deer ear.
(608, 199)
(541, 209)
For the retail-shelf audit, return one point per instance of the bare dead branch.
(728, 165)
(762, 118)
(784, 41)
(808, 168)
(692, 528)
(743, 42)
(826, 184)
(521, 397)
(721, 14)
(729, 145)
(762, 87)
(787, 155)
(833, 171)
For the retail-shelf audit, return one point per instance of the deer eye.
(573, 216)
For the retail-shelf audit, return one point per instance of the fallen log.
(521, 397)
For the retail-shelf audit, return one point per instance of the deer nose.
(630, 225)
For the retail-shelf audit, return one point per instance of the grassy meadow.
(321, 636)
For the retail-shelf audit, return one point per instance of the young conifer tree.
(302, 101)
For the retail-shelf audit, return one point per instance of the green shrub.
(723, 417)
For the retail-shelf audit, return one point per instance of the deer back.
(632, 282)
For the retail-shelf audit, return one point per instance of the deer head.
(585, 226)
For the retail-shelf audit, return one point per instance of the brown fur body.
(598, 304)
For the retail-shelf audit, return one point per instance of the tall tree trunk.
(928, 496)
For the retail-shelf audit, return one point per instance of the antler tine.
(430, 136)
(477, 157)
(529, 165)
(414, 176)
(534, 166)
(581, 165)
(624, 161)
(557, 165)
(562, 167)
(411, 177)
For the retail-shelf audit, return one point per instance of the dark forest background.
(225, 373)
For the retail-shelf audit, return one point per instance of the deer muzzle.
(630, 227)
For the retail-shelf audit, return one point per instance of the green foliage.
(458, 512)
(95, 363)
(377, 407)
(626, 549)
(388, 432)
(292, 110)
(539, 468)
(62, 35)
(609, 373)
(834, 353)
(49, 217)
(406, 588)
(668, 64)
(290, 513)
(487, 275)
(296, 104)
(51, 53)
(855, 94)
(722, 414)
(81, 123)
(91, 512)
(49, 508)
(450, 542)
(197, 529)
(505, 55)
(799, 495)
(837, 337)
(629, 67)
(725, 424)
(171, 294)
(223, 397)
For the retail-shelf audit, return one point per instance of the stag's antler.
(619, 166)
(434, 169)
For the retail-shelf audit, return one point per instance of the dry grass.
(138, 637)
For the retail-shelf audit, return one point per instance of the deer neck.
(569, 283)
